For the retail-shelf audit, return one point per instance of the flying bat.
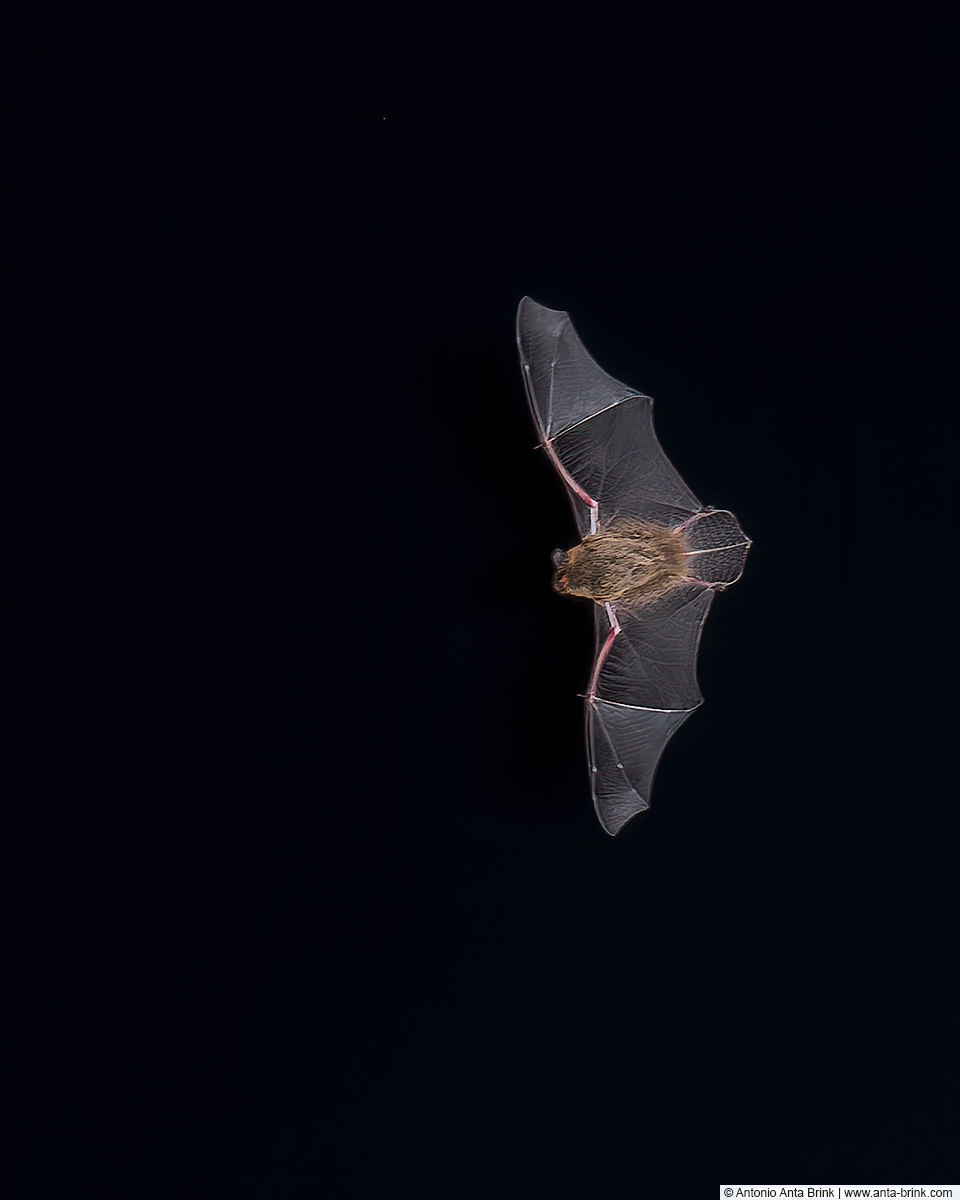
(651, 557)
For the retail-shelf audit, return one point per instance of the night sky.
(312, 892)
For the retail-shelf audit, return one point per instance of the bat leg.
(690, 521)
(713, 587)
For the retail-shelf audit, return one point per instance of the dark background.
(307, 876)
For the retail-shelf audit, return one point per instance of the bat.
(651, 557)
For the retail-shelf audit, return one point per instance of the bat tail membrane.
(564, 384)
(624, 745)
(716, 547)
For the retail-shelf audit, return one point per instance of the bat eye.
(559, 559)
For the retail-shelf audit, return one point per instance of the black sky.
(311, 884)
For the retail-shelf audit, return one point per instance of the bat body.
(651, 557)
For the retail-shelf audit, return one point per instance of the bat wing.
(598, 431)
(644, 687)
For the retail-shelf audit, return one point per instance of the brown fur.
(627, 561)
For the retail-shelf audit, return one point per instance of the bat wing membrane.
(564, 384)
(616, 459)
(645, 689)
(600, 430)
(624, 746)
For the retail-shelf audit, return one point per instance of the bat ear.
(560, 563)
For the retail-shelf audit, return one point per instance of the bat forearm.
(604, 651)
(572, 483)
